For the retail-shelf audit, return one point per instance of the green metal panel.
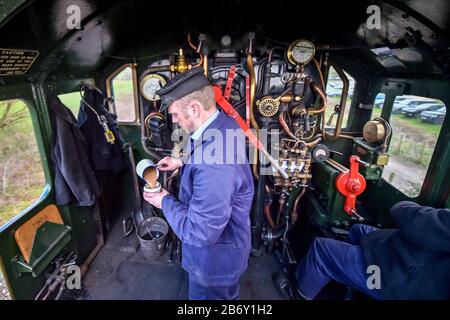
(49, 241)
(329, 206)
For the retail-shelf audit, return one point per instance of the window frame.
(421, 193)
(48, 187)
(109, 92)
(348, 106)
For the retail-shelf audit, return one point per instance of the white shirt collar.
(198, 133)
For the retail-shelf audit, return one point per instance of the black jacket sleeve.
(425, 227)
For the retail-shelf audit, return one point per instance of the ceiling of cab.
(413, 34)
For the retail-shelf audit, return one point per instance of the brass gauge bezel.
(290, 50)
(145, 79)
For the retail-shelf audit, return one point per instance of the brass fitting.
(298, 111)
(289, 98)
(181, 64)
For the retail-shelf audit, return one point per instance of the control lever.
(351, 184)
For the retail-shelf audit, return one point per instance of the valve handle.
(351, 184)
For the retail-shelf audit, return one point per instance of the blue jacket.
(211, 215)
(414, 259)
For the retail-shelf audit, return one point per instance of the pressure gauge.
(150, 84)
(320, 153)
(301, 52)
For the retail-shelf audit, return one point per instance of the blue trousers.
(199, 292)
(341, 261)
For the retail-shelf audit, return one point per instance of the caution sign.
(16, 61)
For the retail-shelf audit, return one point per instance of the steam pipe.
(190, 42)
(196, 49)
(259, 211)
(322, 96)
(294, 215)
(322, 81)
(159, 69)
(285, 126)
(251, 71)
(282, 231)
(281, 203)
(313, 143)
(205, 64)
(268, 216)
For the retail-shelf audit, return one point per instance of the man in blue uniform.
(211, 214)
(412, 261)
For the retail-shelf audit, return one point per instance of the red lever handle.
(351, 184)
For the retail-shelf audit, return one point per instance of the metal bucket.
(152, 234)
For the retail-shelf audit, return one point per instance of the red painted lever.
(351, 184)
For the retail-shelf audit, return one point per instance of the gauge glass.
(150, 85)
(301, 52)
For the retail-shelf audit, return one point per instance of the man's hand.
(155, 198)
(169, 164)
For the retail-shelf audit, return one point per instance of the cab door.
(38, 239)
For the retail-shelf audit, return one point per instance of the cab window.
(122, 88)
(21, 174)
(71, 101)
(334, 94)
(416, 123)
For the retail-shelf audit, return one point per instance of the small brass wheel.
(268, 107)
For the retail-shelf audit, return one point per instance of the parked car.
(411, 101)
(332, 92)
(379, 100)
(415, 109)
(433, 116)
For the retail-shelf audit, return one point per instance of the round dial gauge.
(150, 84)
(301, 52)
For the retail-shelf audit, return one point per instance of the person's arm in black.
(425, 227)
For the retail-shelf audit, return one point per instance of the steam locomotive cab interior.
(308, 91)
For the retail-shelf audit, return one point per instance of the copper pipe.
(190, 42)
(281, 202)
(154, 113)
(285, 126)
(322, 81)
(195, 49)
(200, 62)
(313, 143)
(324, 132)
(158, 69)
(298, 111)
(251, 71)
(205, 64)
(294, 214)
(151, 115)
(322, 96)
(255, 165)
(269, 216)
